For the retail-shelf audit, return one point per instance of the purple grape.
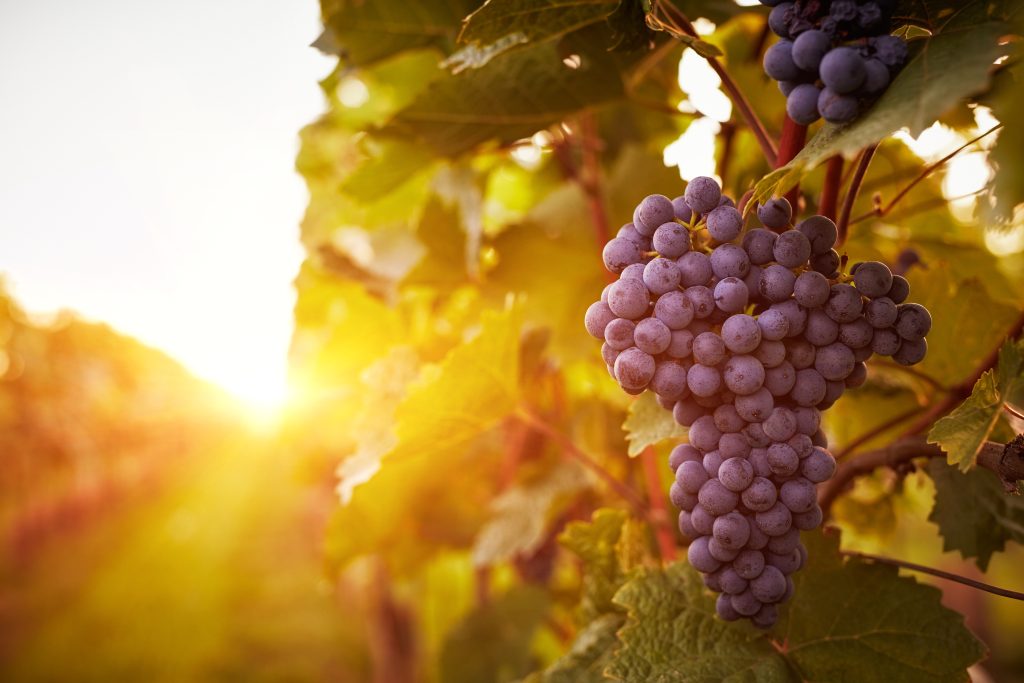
(876, 76)
(774, 521)
(800, 353)
(760, 496)
(770, 352)
(827, 264)
(748, 564)
(731, 582)
(633, 272)
(655, 210)
(728, 420)
(856, 334)
(776, 282)
(683, 452)
(671, 240)
(743, 375)
(746, 604)
(778, 62)
(733, 445)
(608, 354)
(597, 318)
(809, 48)
(782, 459)
(681, 345)
(704, 434)
(843, 10)
(759, 245)
(717, 499)
(821, 232)
(809, 388)
(694, 269)
(912, 322)
(880, 313)
(765, 617)
(778, 21)
(844, 303)
(700, 557)
(703, 194)
(661, 275)
(618, 334)
(686, 526)
(680, 498)
(837, 108)
(770, 585)
(890, 50)
(776, 214)
(686, 412)
(900, 289)
(911, 351)
(736, 474)
(634, 369)
(786, 563)
(805, 521)
(708, 349)
(702, 521)
(819, 466)
(652, 336)
(808, 420)
(821, 329)
(842, 70)
(802, 104)
(780, 425)
(857, 377)
(756, 406)
(729, 260)
(758, 459)
(741, 333)
(731, 295)
(712, 463)
(779, 380)
(691, 476)
(669, 381)
(681, 209)
(724, 223)
(674, 309)
(724, 608)
(701, 299)
(811, 289)
(629, 299)
(732, 531)
(619, 253)
(792, 249)
(798, 495)
(703, 380)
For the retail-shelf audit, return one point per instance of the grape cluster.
(746, 336)
(833, 57)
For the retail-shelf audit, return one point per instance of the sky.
(147, 171)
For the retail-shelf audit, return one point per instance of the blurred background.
(296, 406)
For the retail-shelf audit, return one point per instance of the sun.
(263, 397)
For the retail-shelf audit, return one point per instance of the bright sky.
(146, 171)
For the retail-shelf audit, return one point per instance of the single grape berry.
(703, 194)
(775, 213)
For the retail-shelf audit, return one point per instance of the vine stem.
(830, 192)
(793, 138)
(590, 181)
(683, 25)
(660, 517)
(880, 211)
(843, 224)
(570, 449)
(988, 588)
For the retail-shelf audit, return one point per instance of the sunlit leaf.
(649, 424)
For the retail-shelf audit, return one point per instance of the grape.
(802, 104)
(786, 543)
(681, 210)
(873, 279)
(862, 354)
(703, 380)
(701, 299)
(759, 245)
(770, 585)
(780, 425)
(857, 334)
(809, 48)
(619, 253)
(634, 368)
(704, 434)
(890, 50)
(857, 377)
(629, 232)
(608, 354)
(795, 315)
(777, 19)
(652, 336)
(702, 521)
(618, 334)
(758, 459)
(743, 375)
(819, 466)
(731, 582)
(655, 210)
(836, 108)
(736, 474)
(691, 476)
(694, 269)
(748, 563)
(628, 298)
(669, 380)
(680, 498)
(671, 240)
(717, 499)
(792, 249)
(786, 563)
(703, 194)
(843, 10)
(778, 62)
(880, 313)
(885, 342)
(700, 557)
(800, 353)
(776, 283)
(756, 406)
(746, 604)
(732, 530)
(827, 264)
(752, 282)
(724, 223)
(711, 580)
(684, 452)
(724, 608)
(774, 521)
(842, 70)
(733, 445)
(775, 213)
(633, 272)
(712, 463)
(819, 439)
(728, 420)
(741, 333)
(661, 275)
(844, 303)
(731, 295)
(911, 351)
(674, 309)
(798, 495)
(681, 344)
(821, 329)
(708, 349)
(686, 526)
(821, 232)
(805, 521)
(729, 260)
(770, 352)
(758, 539)
(597, 318)
(900, 289)
(809, 388)
(685, 412)
(765, 617)
(780, 379)
(782, 459)
(913, 321)
(808, 420)
(876, 78)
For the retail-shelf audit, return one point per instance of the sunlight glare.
(694, 151)
(701, 85)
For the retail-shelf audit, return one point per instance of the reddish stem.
(830, 193)
(659, 514)
(843, 223)
(793, 138)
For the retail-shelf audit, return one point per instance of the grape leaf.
(941, 70)
(962, 433)
(362, 33)
(878, 626)
(522, 514)
(672, 634)
(533, 20)
(493, 642)
(648, 424)
(973, 512)
(587, 657)
(1008, 105)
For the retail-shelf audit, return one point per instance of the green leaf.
(974, 514)
(531, 20)
(853, 621)
(672, 634)
(941, 70)
(648, 424)
(493, 642)
(522, 514)
(962, 433)
(1008, 106)
(588, 655)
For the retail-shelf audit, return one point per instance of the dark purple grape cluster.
(833, 57)
(746, 335)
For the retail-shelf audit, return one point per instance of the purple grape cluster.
(832, 58)
(746, 335)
